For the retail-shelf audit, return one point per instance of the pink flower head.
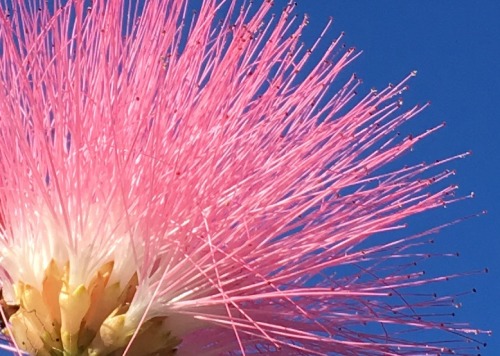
(191, 184)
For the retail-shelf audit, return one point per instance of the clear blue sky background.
(455, 46)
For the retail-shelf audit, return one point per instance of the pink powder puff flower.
(191, 184)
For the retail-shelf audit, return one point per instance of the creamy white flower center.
(94, 319)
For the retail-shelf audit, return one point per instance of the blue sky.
(455, 46)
